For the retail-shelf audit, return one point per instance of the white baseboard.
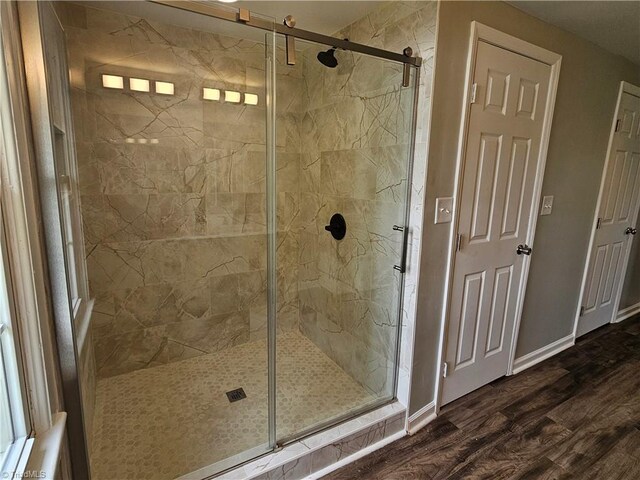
(537, 356)
(359, 454)
(421, 418)
(627, 313)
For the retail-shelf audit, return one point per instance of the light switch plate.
(547, 205)
(444, 209)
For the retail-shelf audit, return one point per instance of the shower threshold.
(166, 421)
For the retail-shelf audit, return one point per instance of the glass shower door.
(344, 126)
(170, 109)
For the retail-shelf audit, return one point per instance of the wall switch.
(547, 205)
(444, 209)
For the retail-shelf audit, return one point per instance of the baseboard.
(627, 313)
(537, 356)
(421, 418)
(359, 454)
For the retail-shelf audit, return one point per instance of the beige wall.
(589, 82)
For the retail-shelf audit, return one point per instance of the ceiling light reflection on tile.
(164, 88)
(211, 94)
(112, 81)
(250, 99)
(231, 96)
(139, 84)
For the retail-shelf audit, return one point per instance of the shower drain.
(235, 395)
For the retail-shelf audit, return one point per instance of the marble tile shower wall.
(173, 190)
(394, 26)
(356, 135)
(175, 229)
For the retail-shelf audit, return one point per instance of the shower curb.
(322, 452)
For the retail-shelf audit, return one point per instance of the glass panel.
(344, 139)
(6, 422)
(170, 120)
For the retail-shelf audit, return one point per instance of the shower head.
(328, 58)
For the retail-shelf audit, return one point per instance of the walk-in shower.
(244, 210)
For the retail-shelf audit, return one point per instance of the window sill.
(45, 453)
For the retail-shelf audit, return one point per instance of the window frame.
(13, 460)
(45, 451)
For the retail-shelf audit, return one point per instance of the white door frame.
(495, 37)
(625, 87)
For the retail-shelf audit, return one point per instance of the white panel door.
(497, 198)
(617, 220)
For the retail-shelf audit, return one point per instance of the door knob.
(524, 249)
(630, 231)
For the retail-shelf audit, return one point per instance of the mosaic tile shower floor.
(169, 420)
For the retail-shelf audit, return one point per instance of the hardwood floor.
(576, 415)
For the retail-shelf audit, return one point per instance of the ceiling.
(613, 25)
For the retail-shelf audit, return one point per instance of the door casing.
(500, 39)
(625, 87)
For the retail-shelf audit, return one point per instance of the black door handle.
(524, 249)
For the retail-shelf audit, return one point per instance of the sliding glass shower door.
(244, 221)
(343, 145)
(170, 109)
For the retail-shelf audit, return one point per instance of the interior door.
(497, 198)
(617, 220)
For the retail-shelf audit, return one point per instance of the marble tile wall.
(175, 229)
(356, 134)
(173, 189)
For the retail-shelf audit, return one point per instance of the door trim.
(625, 87)
(500, 39)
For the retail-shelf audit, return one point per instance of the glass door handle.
(402, 268)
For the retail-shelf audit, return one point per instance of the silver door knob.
(630, 231)
(524, 249)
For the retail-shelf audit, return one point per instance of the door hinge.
(581, 311)
(459, 242)
(474, 91)
(445, 369)
(618, 123)
(598, 223)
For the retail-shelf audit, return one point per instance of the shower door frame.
(245, 17)
(66, 343)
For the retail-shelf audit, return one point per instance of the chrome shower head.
(328, 58)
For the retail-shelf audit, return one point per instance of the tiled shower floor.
(166, 421)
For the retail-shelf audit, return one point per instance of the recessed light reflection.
(164, 88)
(231, 96)
(211, 94)
(112, 81)
(142, 140)
(250, 99)
(139, 84)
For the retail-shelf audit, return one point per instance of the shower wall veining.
(356, 137)
(174, 190)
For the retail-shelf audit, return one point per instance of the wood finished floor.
(576, 415)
